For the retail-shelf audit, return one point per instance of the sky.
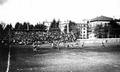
(33, 11)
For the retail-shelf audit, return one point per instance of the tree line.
(39, 26)
(107, 31)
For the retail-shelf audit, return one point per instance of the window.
(83, 28)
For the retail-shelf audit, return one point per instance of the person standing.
(83, 44)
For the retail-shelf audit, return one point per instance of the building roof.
(101, 18)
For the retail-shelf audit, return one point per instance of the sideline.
(8, 62)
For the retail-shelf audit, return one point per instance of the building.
(83, 28)
(101, 20)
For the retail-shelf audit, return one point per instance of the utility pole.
(27, 26)
(67, 27)
(108, 35)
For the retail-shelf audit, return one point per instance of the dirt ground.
(65, 60)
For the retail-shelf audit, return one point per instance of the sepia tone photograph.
(59, 36)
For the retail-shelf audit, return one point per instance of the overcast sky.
(34, 11)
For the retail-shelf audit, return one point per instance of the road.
(65, 60)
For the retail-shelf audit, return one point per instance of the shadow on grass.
(112, 48)
(3, 57)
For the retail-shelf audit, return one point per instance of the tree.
(114, 28)
(1, 31)
(31, 27)
(54, 27)
(72, 28)
(7, 32)
(25, 26)
(110, 30)
(1, 28)
(8, 27)
(40, 27)
(101, 31)
(18, 26)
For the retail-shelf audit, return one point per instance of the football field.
(65, 60)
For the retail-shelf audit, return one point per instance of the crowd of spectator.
(37, 37)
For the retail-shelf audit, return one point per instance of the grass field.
(3, 57)
(89, 59)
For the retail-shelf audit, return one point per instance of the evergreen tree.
(54, 27)
(8, 28)
(1, 31)
(18, 26)
(25, 26)
(40, 27)
(31, 27)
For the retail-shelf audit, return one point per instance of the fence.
(93, 42)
